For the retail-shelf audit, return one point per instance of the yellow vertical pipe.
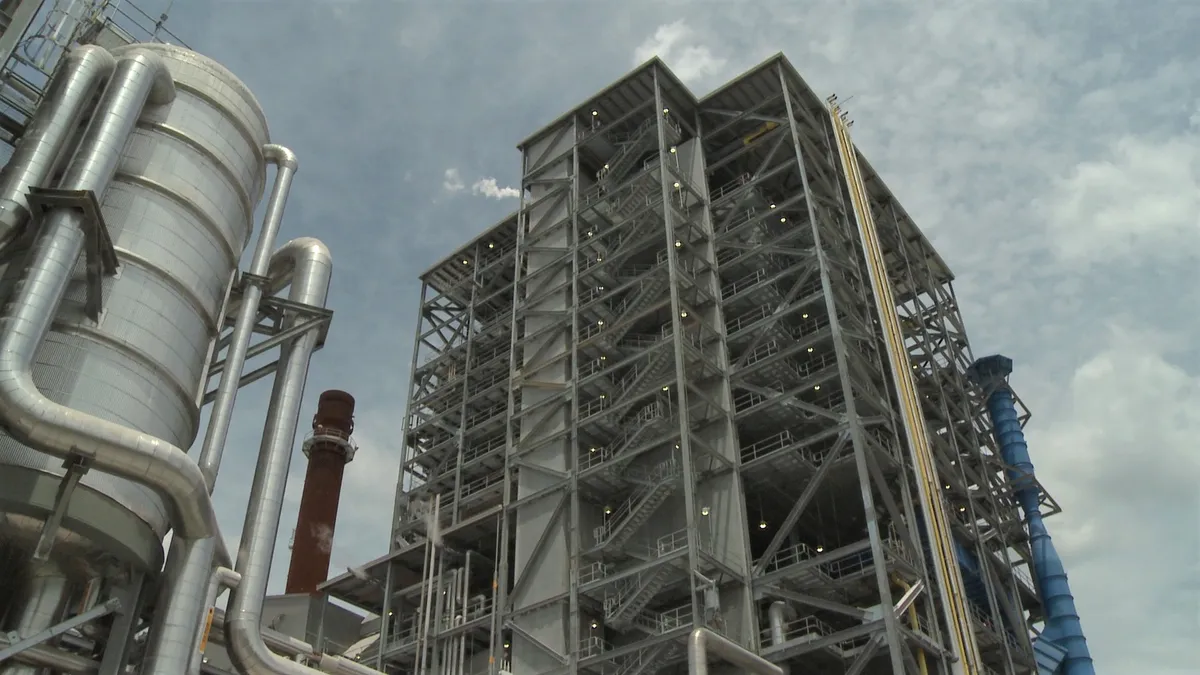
(928, 483)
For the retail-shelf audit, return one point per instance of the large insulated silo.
(180, 212)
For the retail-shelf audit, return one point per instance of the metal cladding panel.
(180, 211)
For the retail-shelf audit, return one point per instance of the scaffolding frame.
(657, 398)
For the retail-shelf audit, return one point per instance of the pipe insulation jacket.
(46, 136)
(310, 266)
(189, 563)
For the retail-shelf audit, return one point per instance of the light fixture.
(804, 316)
(810, 350)
(666, 110)
(817, 388)
(603, 358)
(772, 206)
(762, 524)
(606, 166)
(683, 314)
(783, 220)
(591, 450)
(599, 258)
(678, 244)
(466, 262)
(704, 510)
(603, 396)
(820, 549)
(506, 645)
(491, 245)
(676, 185)
(600, 322)
(666, 387)
(607, 510)
(595, 625)
(595, 113)
(961, 509)
(672, 149)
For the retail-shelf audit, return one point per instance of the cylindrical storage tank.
(180, 212)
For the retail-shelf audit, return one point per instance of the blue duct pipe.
(1062, 626)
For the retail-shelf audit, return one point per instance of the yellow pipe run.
(949, 575)
(914, 622)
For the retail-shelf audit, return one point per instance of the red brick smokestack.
(328, 451)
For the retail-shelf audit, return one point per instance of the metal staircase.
(632, 147)
(646, 422)
(647, 661)
(630, 596)
(659, 484)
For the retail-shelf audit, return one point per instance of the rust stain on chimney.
(328, 449)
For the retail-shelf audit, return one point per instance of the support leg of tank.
(99, 611)
(76, 468)
(120, 635)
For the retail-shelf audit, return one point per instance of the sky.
(1050, 150)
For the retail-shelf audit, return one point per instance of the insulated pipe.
(189, 562)
(1062, 619)
(703, 640)
(775, 616)
(309, 263)
(222, 577)
(140, 78)
(48, 133)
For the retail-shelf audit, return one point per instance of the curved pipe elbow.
(307, 261)
(162, 85)
(243, 639)
(702, 641)
(37, 421)
(281, 156)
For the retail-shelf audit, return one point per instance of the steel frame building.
(710, 374)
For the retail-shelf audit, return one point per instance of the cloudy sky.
(1051, 150)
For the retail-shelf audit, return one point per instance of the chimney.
(329, 448)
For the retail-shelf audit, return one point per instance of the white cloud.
(452, 181)
(488, 187)
(1118, 453)
(679, 46)
(1140, 200)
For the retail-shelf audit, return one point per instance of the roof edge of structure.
(651, 65)
(468, 247)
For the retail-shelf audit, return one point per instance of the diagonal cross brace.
(21, 644)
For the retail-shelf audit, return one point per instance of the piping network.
(1062, 647)
(949, 577)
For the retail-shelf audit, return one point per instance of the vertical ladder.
(949, 577)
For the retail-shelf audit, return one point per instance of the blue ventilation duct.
(1063, 648)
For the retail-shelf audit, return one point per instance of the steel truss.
(660, 397)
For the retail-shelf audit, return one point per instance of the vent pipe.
(328, 449)
(1062, 627)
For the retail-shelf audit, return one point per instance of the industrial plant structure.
(709, 376)
(706, 394)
